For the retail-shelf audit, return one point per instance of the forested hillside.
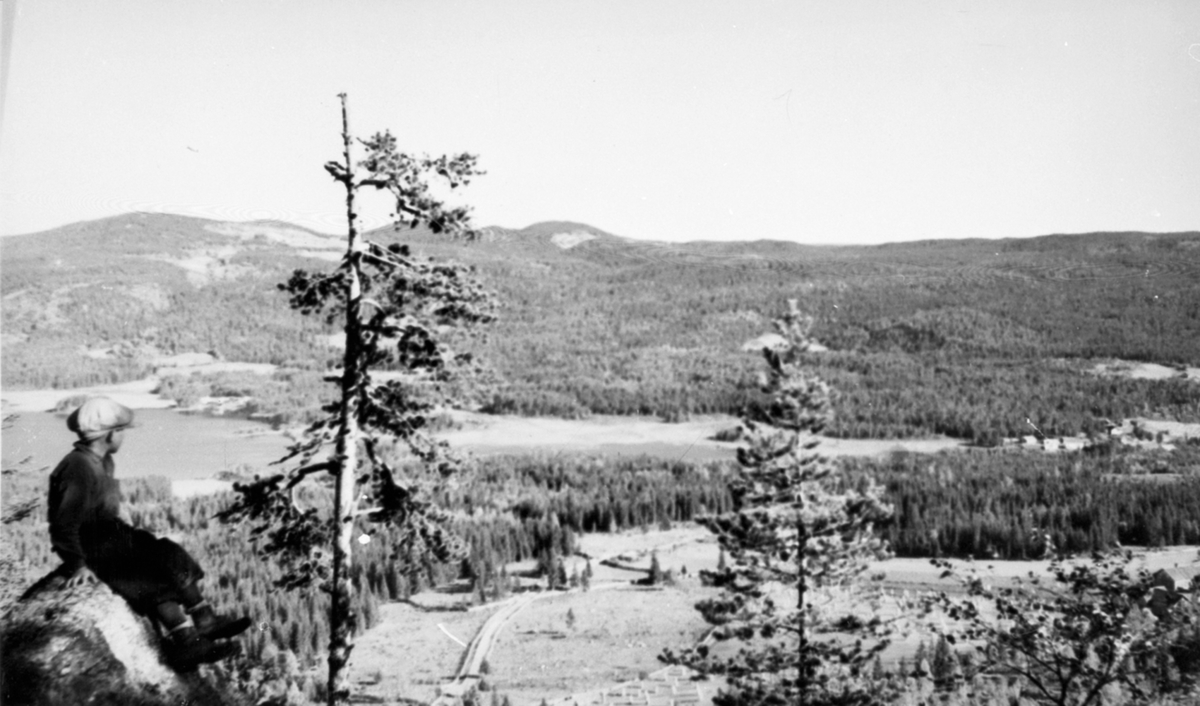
(966, 337)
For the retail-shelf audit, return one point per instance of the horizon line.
(373, 227)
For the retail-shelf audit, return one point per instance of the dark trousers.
(143, 569)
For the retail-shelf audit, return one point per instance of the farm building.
(1169, 587)
(1180, 579)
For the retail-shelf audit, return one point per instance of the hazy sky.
(819, 122)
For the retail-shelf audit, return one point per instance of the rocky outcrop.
(86, 647)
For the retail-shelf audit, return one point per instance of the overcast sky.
(818, 122)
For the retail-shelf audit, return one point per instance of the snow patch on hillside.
(566, 241)
(150, 294)
(206, 266)
(291, 237)
(1144, 371)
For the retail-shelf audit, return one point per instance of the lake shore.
(486, 434)
(136, 394)
(481, 434)
(195, 456)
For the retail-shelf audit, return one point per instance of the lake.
(164, 443)
(189, 446)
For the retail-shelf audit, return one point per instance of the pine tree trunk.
(341, 614)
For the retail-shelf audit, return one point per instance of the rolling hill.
(963, 337)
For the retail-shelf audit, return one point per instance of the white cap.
(98, 416)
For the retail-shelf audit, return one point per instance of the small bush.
(727, 435)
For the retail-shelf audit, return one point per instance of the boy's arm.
(75, 487)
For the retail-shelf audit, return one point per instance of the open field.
(619, 629)
(407, 655)
(919, 574)
(617, 635)
(691, 440)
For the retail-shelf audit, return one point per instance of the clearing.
(613, 635)
(1144, 371)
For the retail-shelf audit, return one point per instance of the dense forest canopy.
(1007, 330)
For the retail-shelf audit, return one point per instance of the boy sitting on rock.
(155, 575)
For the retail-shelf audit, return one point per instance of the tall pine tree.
(393, 307)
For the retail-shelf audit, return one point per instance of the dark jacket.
(86, 530)
(84, 495)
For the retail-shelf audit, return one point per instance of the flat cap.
(98, 416)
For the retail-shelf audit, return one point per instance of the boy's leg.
(186, 575)
(170, 615)
(208, 623)
(185, 647)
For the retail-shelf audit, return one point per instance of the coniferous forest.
(986, 504)
(968, 338)
(511, 510)
(1004, 504)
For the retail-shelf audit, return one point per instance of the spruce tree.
(560, 574)
(656, 573)
(796, 531)
(585, 579)
(942, 663)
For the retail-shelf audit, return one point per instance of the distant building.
(1169, 586)
(1179, 579)
(776, 342)
(768, 340)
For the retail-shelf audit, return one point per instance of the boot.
(216, 627)
(187, 649)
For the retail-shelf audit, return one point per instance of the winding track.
(450, 693)
(481, 644)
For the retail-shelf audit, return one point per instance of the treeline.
(1005, 504)
(898, 395)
